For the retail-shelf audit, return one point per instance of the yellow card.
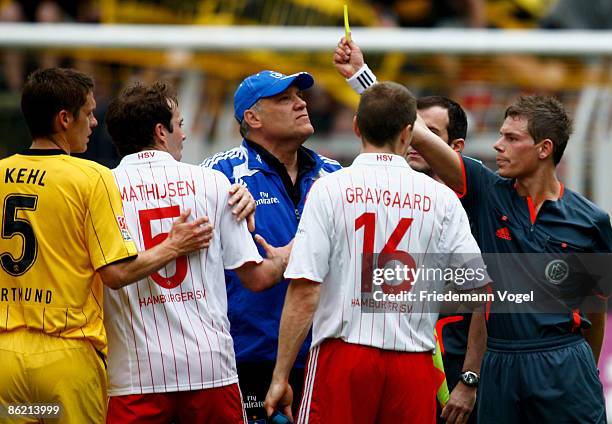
(347, 29)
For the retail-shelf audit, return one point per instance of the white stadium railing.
(306, 38)
(592, 114)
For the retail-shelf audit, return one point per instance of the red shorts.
(349, 383)
(219, 405)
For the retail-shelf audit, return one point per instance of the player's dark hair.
(49, 91)
(385, 109)
(132, 116)
(457, 120)
(546, 118)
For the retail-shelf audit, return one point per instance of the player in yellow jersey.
(63, 235)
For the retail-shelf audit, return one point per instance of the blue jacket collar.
(255, 161)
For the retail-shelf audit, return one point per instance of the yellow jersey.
(62, 219)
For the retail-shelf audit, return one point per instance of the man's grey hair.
(244, 126)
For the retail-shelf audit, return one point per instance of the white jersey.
(380, 211)
(170, 332)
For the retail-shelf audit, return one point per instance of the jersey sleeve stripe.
(463, 177)
(236, 152)
(329, 161)
(98, 239)
(110, 203)
(65, 323)
(95, 298)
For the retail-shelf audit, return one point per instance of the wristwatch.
(470, 378)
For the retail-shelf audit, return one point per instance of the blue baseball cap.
(266, 84)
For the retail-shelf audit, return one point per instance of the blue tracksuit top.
(255, 317)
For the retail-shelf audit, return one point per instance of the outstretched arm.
(349, 63)
(263, 275)
(184, 237)
(444, 161)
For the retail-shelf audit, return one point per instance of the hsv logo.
(146, 155)
(121, 222)
(503, 233)
(384, 158)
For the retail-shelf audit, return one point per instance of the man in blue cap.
(278, 172)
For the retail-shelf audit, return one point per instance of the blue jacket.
(255, 317)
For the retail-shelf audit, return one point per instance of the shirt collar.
(147, 156)
(43, 152)
(259, 157)
(561, 188)
(381, 159)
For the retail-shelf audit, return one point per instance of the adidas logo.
(503, 233)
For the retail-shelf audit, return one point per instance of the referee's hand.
(348, 58)
(460, 404)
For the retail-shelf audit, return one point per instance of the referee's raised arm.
(444, 161)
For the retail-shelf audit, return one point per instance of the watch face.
(470, 378)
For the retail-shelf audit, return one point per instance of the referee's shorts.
(548, 380)
(37, 368)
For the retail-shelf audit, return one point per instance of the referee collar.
(381, 159)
